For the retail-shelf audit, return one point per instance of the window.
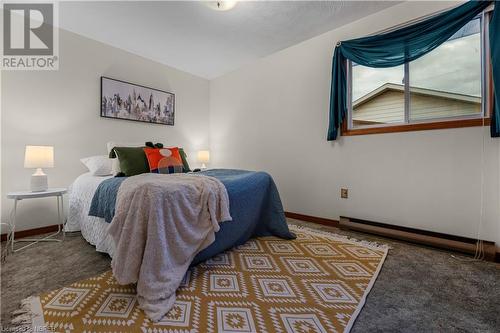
(445, 88)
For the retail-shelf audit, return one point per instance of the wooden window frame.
(485, 120)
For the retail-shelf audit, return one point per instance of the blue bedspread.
(255, 207)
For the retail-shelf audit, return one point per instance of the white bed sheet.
(93, 229)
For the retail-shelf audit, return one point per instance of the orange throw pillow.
(164, 160)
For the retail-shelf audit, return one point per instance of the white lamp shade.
(204, 156)
(39, 157)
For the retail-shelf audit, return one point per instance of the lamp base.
(39, 181)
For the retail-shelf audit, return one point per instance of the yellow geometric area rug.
(316, 283)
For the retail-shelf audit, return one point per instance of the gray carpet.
(418, 290)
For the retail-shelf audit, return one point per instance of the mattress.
(93, 229)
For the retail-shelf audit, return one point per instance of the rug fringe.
(29, 316)
(335, 236)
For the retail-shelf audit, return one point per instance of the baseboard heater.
(444, 241)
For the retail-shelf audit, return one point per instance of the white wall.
(272, 115)
(61, 108)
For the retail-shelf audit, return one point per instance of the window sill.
(415, 127)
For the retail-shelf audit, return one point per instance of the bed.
(255, 206)
(252, 200)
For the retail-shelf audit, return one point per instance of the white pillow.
(115, 167)
(98, 165)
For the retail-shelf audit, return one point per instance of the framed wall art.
(124, 100)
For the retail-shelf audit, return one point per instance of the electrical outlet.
(344, 193)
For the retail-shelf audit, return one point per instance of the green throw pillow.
(133, 160)
(185, 163)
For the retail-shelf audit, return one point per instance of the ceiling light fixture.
(221, 5)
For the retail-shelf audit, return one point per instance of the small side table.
(24, 195)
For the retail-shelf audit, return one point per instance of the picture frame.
(129, 101)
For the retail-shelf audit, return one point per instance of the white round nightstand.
(23, 195)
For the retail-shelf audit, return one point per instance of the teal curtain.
(495, 64)
(401, 46)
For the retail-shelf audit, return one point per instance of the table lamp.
(203, 157)
(38, 157)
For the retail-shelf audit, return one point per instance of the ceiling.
(192, 37)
